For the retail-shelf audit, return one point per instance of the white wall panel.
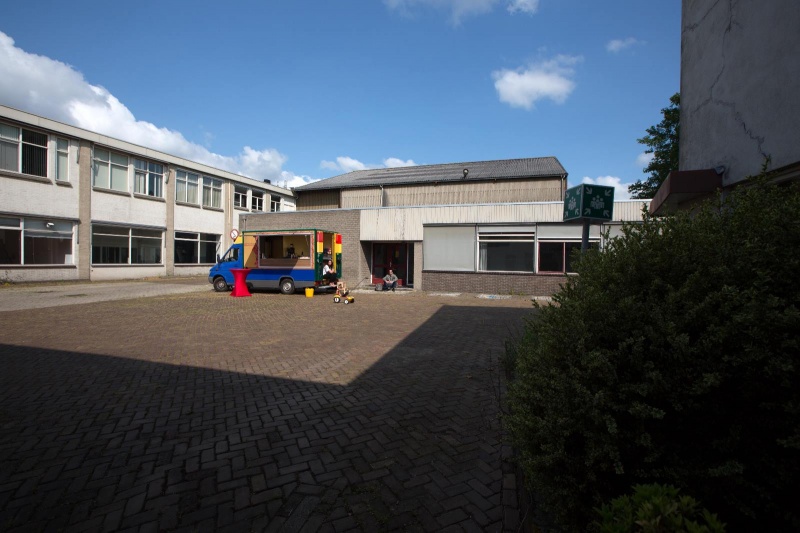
(200, 220)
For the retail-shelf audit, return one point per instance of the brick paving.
(202, 412)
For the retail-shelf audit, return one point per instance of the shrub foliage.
(672, 358)
(656, 508)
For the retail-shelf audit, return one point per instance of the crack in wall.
(711, 99)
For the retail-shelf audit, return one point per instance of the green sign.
(589, 201)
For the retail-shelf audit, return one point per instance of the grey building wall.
(739, 85)
(493, 282)
(355, 255)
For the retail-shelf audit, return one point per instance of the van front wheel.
(220, 285)
(287, 286)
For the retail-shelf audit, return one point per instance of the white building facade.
(75, 204)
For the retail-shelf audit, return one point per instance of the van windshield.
(231, 255)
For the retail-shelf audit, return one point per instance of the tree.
(662, 142)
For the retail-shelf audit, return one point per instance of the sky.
(299, 91)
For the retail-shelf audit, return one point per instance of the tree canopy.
(661, 141)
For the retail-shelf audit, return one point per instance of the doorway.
(398, 256)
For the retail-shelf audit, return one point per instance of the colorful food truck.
(279, 259)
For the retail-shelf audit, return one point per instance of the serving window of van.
(286, 250)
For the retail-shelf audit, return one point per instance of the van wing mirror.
(217, 258)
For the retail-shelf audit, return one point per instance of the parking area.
(197, 411)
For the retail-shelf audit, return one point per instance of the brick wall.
(492, 282)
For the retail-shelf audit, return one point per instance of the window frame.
(565, 254)
(240, 197)
(486, 237)
(21, 143)
(150, 177)
(257, 202)
(29, 235)
(214, 188)
(57, 166)
(131, 234)
(190, 180)
(98, 162)
(197, 253)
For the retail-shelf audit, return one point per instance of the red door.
(386, 255)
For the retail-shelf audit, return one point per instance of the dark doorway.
(395, 255)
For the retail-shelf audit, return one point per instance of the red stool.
(240, 282)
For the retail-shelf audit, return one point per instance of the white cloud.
(348, 164)
(620, 189)
(459, 9)
(644, 159)
(344, 164)
(523, 6)
(392, 162)
(618, 45)
(57, 91)
(524, 86)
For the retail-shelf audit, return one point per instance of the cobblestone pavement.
(203, 412)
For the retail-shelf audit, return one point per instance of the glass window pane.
(145, 251)
(40, 250)
(107, 249)
(34, 137)
(551, 257)
(506, 256)
(157, 168)
(191, 192)
(8, 156)
(10, 247)
(61, 166)
(139, 164)
(208, 252)
(150, 233)
(119, 159)
(140, 183)
(186, 235)
(101, 175)
(34, 160)
(155, 185)
(110, 230)
(216, 198)
(186, 252)
(180, 191)
(101, 154)
(9, 132)
(62, 144)
(119, 178)
(9, 222)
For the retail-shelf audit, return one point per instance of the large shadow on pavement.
(97, 442)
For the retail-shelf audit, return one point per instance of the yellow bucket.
(309, 292)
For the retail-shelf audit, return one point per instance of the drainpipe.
(382, 202)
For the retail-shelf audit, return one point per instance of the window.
(240, 197)
(62, 159)
(557, 256)
(275, 203)
(505, 251)
(114, 245)
(186, 187)
(35, 242)
(23, 150)
(212, 192)
(258, 202)
(110, 170)
(148, 178)
(195, 248)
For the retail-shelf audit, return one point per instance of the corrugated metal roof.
(534, 167)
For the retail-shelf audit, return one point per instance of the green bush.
(671, 358)
(656, 509)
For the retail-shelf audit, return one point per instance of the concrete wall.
(740, 82)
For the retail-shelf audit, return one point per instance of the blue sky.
(299, 91)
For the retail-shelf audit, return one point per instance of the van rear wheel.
(220, 285)
(287, 286)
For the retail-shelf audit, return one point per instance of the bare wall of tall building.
(740, 80)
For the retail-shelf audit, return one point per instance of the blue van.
(286, 260)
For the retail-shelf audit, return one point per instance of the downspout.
(382, 202)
